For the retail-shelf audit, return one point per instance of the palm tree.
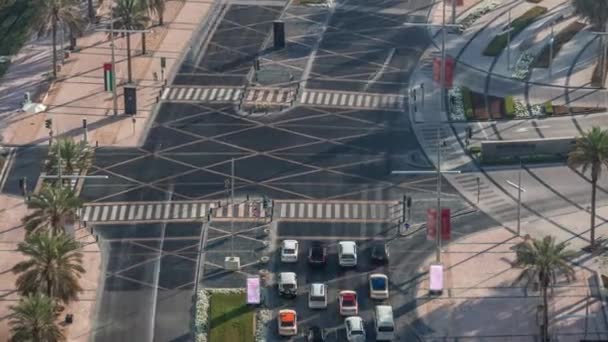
(53, 207)
(130, 15)
(591, 152)
(542, 260)
(596, 12)
(35, 319)
(52, 12)
(53, 267)
(74, 156)
(157, 7)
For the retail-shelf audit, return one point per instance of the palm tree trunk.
(49, 287)
(593, 191)
(545, 314)
(143, 43)
(130, 78)
(91, 11)
(54, 35)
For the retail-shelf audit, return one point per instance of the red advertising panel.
(437, 69)
(431, 224)
(449, 71)
(458, 2)
(107, 66)
(446, 224)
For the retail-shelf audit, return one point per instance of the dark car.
(379, 251)
(315, 334)
(317, 253)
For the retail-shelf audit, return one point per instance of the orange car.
(288, 322)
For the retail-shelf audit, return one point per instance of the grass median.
(519, 24)
(230, 318)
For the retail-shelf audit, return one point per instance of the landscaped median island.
(480, 10)
(499, 42)
(561, 38)
(222, 315)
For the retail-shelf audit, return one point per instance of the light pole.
(508, 32)
(551, 40)
(603, 58)
(114, 94)
(519, 191)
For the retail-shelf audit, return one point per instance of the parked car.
(378, 286)
(379, 252)
(384, 323)
(315, 334)
(287, 284)
(348, 303)
(355, 329)
(289, 251)
(317, 254)
(287, 322)
(347, 253)
(317, 296)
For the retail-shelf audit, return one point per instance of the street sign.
(406, 226)
(107, 77)
(163, 62)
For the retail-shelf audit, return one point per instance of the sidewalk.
(11, 233)
(78, 93)
(481, 299)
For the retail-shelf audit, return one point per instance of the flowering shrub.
(262, 318)
(482, 9)
(523, 66)
(522, 112)
(456, 105)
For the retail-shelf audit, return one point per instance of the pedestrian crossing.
(337, 211)
(202, 94)
(169, 211)
(354, 100)
(117, 212)
(267, 95)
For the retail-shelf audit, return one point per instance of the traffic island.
(222, 315)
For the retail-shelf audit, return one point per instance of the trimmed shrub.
(467, 102)
(548, 106)
(509, 106)
(561, 38)
(499, 42)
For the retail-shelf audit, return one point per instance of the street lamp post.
(519, 191)
(509, 29)
(114, 94)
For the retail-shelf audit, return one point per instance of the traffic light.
(264, 202)
(469, 133)
(279, 34)
(48, 123)
(409, 202)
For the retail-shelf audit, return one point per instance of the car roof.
(347, 246)
(351, 295)
(287, 315)
(290, 243)
(378, 275)
(288, 276)
(355, 322)
(317, 289)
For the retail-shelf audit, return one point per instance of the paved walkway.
(481, 299)
(76, 95)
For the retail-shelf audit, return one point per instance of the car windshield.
(288, 251)
(316, 252)
(317, 298)
(385, 329)
(356, 332)
(286, 323)
(348, 256)
(378, 283)
(288, 286)
(378, 251)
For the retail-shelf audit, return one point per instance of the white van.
(347, 253)
(384, 323)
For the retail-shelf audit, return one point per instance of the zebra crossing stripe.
(373, 211)
(283, 210)
(181, 93)
(185, 210)
(334, 99)
(113, 213)
(337, 210)
(343, 99)
(212, 96)
(328, 211)
(229, 94)
(311, 100)
(359, 100)
(346, 209)
(131, 214)
(309, 210)
(301, 210)
(204, 94)
(95, 213)
(375, 101)
(319, 212)
(122, 212)
(173, 93)
(220, 94)
(149, 211)
(140, 212)
(167, 211)
(193, 208)
(237, 93)
(356, 211)
(158, 211)
(176, 210)
(87, 212)
(165, 93)
(197, 93)
(292, 209)
(351, 100)
(189, 93)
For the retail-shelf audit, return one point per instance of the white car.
(347, 253)
(317, 296)
(348, 303)
(287, 284)
(378, 286)
(288, 322)
(289, 251)
(355, 330)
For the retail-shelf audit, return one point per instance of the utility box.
(279, 34)
(130, 93)
(232, 263)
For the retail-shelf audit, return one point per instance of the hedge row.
(519, 24)
(467, 102)
(564, 36)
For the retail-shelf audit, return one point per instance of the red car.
(348, 303)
